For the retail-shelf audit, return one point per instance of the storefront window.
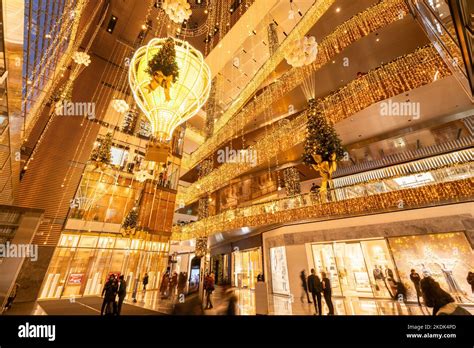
(357, 269)
(280, 283)
(324, 261)
(247, 265)
(447, 257)
(82, 262)
(353, 275)
(381, 267)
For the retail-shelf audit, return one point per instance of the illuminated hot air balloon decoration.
(170, 83)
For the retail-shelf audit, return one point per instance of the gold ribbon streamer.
(325, 169)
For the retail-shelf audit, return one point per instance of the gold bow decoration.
(160, 80)
(98, 165)
(129, 231)
(325, 169)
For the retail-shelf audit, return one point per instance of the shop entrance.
(357, 269)
(247, 265)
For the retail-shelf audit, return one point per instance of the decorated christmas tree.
(102, 154)
(164, 61)
(321, 138)
(131, 219)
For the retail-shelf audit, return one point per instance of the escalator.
(449, 25)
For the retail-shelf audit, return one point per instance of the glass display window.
(280, 282)
(447, 257)
(247, 265)
(82, 262)
(357, 268)
(381, 267)
(68, 240)
(106, 242)
(79, 267)
(88, 241)
(353, 276)
(324, 261)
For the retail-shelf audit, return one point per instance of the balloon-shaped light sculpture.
(168, 101)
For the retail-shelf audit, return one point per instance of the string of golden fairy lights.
(68, 178)
(310, 207)
(67, 33)
(405, 73)
(359, 26)
(75, 71)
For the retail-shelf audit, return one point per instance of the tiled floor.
(278, 305)
(281, 305)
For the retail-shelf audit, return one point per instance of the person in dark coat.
(209, 287)
(327, 292)
(181, 285)
(12, 296)
(109, 292)
(314, 188)
(145, 282)
(470, 280)
(173, 284)
(304, 285)
(315, 287)
(165, 285)
(438, 299)
(121, 292)
(231, 300)
(416, 279)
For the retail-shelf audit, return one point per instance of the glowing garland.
(267, 214)
(404, 74)
(359, 26)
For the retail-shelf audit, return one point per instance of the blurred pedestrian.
(145, 282)
(315, 287)
(304, 285)
(438, 299)
(191, 306)
(121, 292)
(181, 284)
(327, 292)
(173, 284)
(164, 285)
(109, 293)
(209, 283)
(470, 280)
(231, 299)
(416, 279)
(12, 296)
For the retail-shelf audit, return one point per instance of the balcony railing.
(442, 186)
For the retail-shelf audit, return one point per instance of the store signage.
(75, 278)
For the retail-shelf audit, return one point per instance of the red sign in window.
(75, 278)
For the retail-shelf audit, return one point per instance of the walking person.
(304, 285)
(145, 283)
(438, 299)
(315, 287)
(173, 285)
(416, 279)
(109, 292)
(12, 297)
(231, 299)
(181, 285)
(121, 292)
(327, 292)
(164, 285)
(470, 281)
(209, 290)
